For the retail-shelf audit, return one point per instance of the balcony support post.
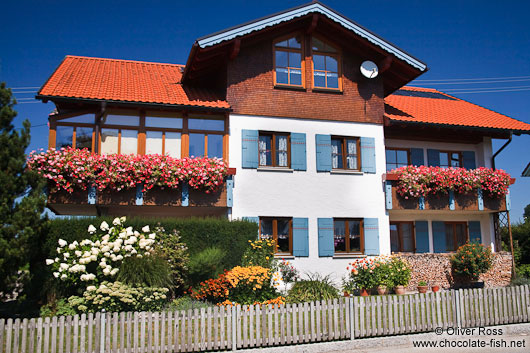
(514, 274)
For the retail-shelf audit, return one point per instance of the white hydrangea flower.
(113, 272)
(95, 251)
(105, 238)
(56, 274)
(105, 249)
(66, 255)
(58, 250)
(119, 257)
(152, 236)
(49, 261)
(78, 253)
(63, 267)
(123, 219)
(116, 221)
(56, 259)
(62, 243)
(129, 231)
(64, 276)
(91, 229)
(93, 258)
(145, 229)
(106, 271)
(91, 288)
(102, 264)
(104, 226)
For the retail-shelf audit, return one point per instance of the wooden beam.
(235, 49)
(313, 24)
(385, 64)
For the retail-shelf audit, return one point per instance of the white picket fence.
(232, 328)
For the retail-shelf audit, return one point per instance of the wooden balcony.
(475, 201)
(157, 202)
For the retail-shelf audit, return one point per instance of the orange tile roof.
(127, 81)
(427, 105)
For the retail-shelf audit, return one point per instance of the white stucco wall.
(310, 194)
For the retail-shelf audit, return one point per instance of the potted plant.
(422, 287)
(364, 273)
(348, 287)
(470, 261)
(435, 288)
(399, 274)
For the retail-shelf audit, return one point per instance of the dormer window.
(288, 62)
(326, 65)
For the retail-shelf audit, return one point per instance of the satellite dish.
(369, 69)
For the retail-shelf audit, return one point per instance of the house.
(308, 136)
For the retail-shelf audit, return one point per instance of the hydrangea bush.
(76, 169)
(422, 181)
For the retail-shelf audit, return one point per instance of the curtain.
(282, 151)
(352, 154)
(335, 155)
(262, 152)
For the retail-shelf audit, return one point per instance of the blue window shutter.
(298, 151)
(474, 232)
(422, 236)
(185, 195)
(371, 236)
(249, 145)
(469, 159)
(416, 156)
(438, 236)
(300, 237)
(433, 158)
(368, 154)
(326, 245)
(323, 151)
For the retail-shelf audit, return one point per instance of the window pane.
(281, 58)
(86, 118)
(266, 229)
(153, 142)
(455, 159)
(109, 141)
(461, 237)
(332, 64)
(444, 159)
(333, 80)
(319, 62)
(173, 144)
(64, 137)
(172, 123)
(215, 146)
(295, 60)
(282, 44)
(351, 146)
(206, 124)
(390, 156)
(265, 150)
(295, 42)
(83, 137)
(408, 240)
(282, 76)
(394, 238)
(339, 235)
(449, 237)
(336, 153)
(283, 235)
(281, 151)
(129, 142)
(355, 235)
(114, 119)
(318, 45)
(320, 79)
(402, 157)
(196, 145)
(295, 77)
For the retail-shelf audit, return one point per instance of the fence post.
(234, 328)
(458, 309)
(102, 333)
(351, 303)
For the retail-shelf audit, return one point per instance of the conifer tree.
(21, 198)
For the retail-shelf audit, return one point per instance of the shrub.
(520, 281)
(471, 260)
(149, 271)
(370, 272)
(399, 272)
(288, 272)
(117, 297)
(206, 264)
(186, 303)
(175, 253)
(523, 270)
(260, 253)
(59, 308)
(314, 288)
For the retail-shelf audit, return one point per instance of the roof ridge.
(124, 60)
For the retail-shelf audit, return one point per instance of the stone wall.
(436, 269)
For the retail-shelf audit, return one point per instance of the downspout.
(500, 150)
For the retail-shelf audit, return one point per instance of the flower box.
(78, 197)
(212, 199)
(126, 197)
(158, 196)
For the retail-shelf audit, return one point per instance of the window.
(163, 135)
(288, 62)
(273, 149)
(74, 136)
(402, 237)
(326, 64)
(345, 153)
(279, 229)
(348, 235)
(455, 235)
(206, 137)
(120, 141)
(450, 159)
(396, 158)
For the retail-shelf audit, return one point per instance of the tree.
(526, 213)
(21, 198)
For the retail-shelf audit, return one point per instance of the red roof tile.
(127, 81)
(427, 105)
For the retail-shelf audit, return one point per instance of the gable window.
(280, 229)
(396, 158)
(348, 235)
(273, 149)
(450, 159)
(326, 65)
(345, 153)
(402, 237)
(288, 62)
(455, 235)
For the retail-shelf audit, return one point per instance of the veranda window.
(402, 237)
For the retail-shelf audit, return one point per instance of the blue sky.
(457, 40)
